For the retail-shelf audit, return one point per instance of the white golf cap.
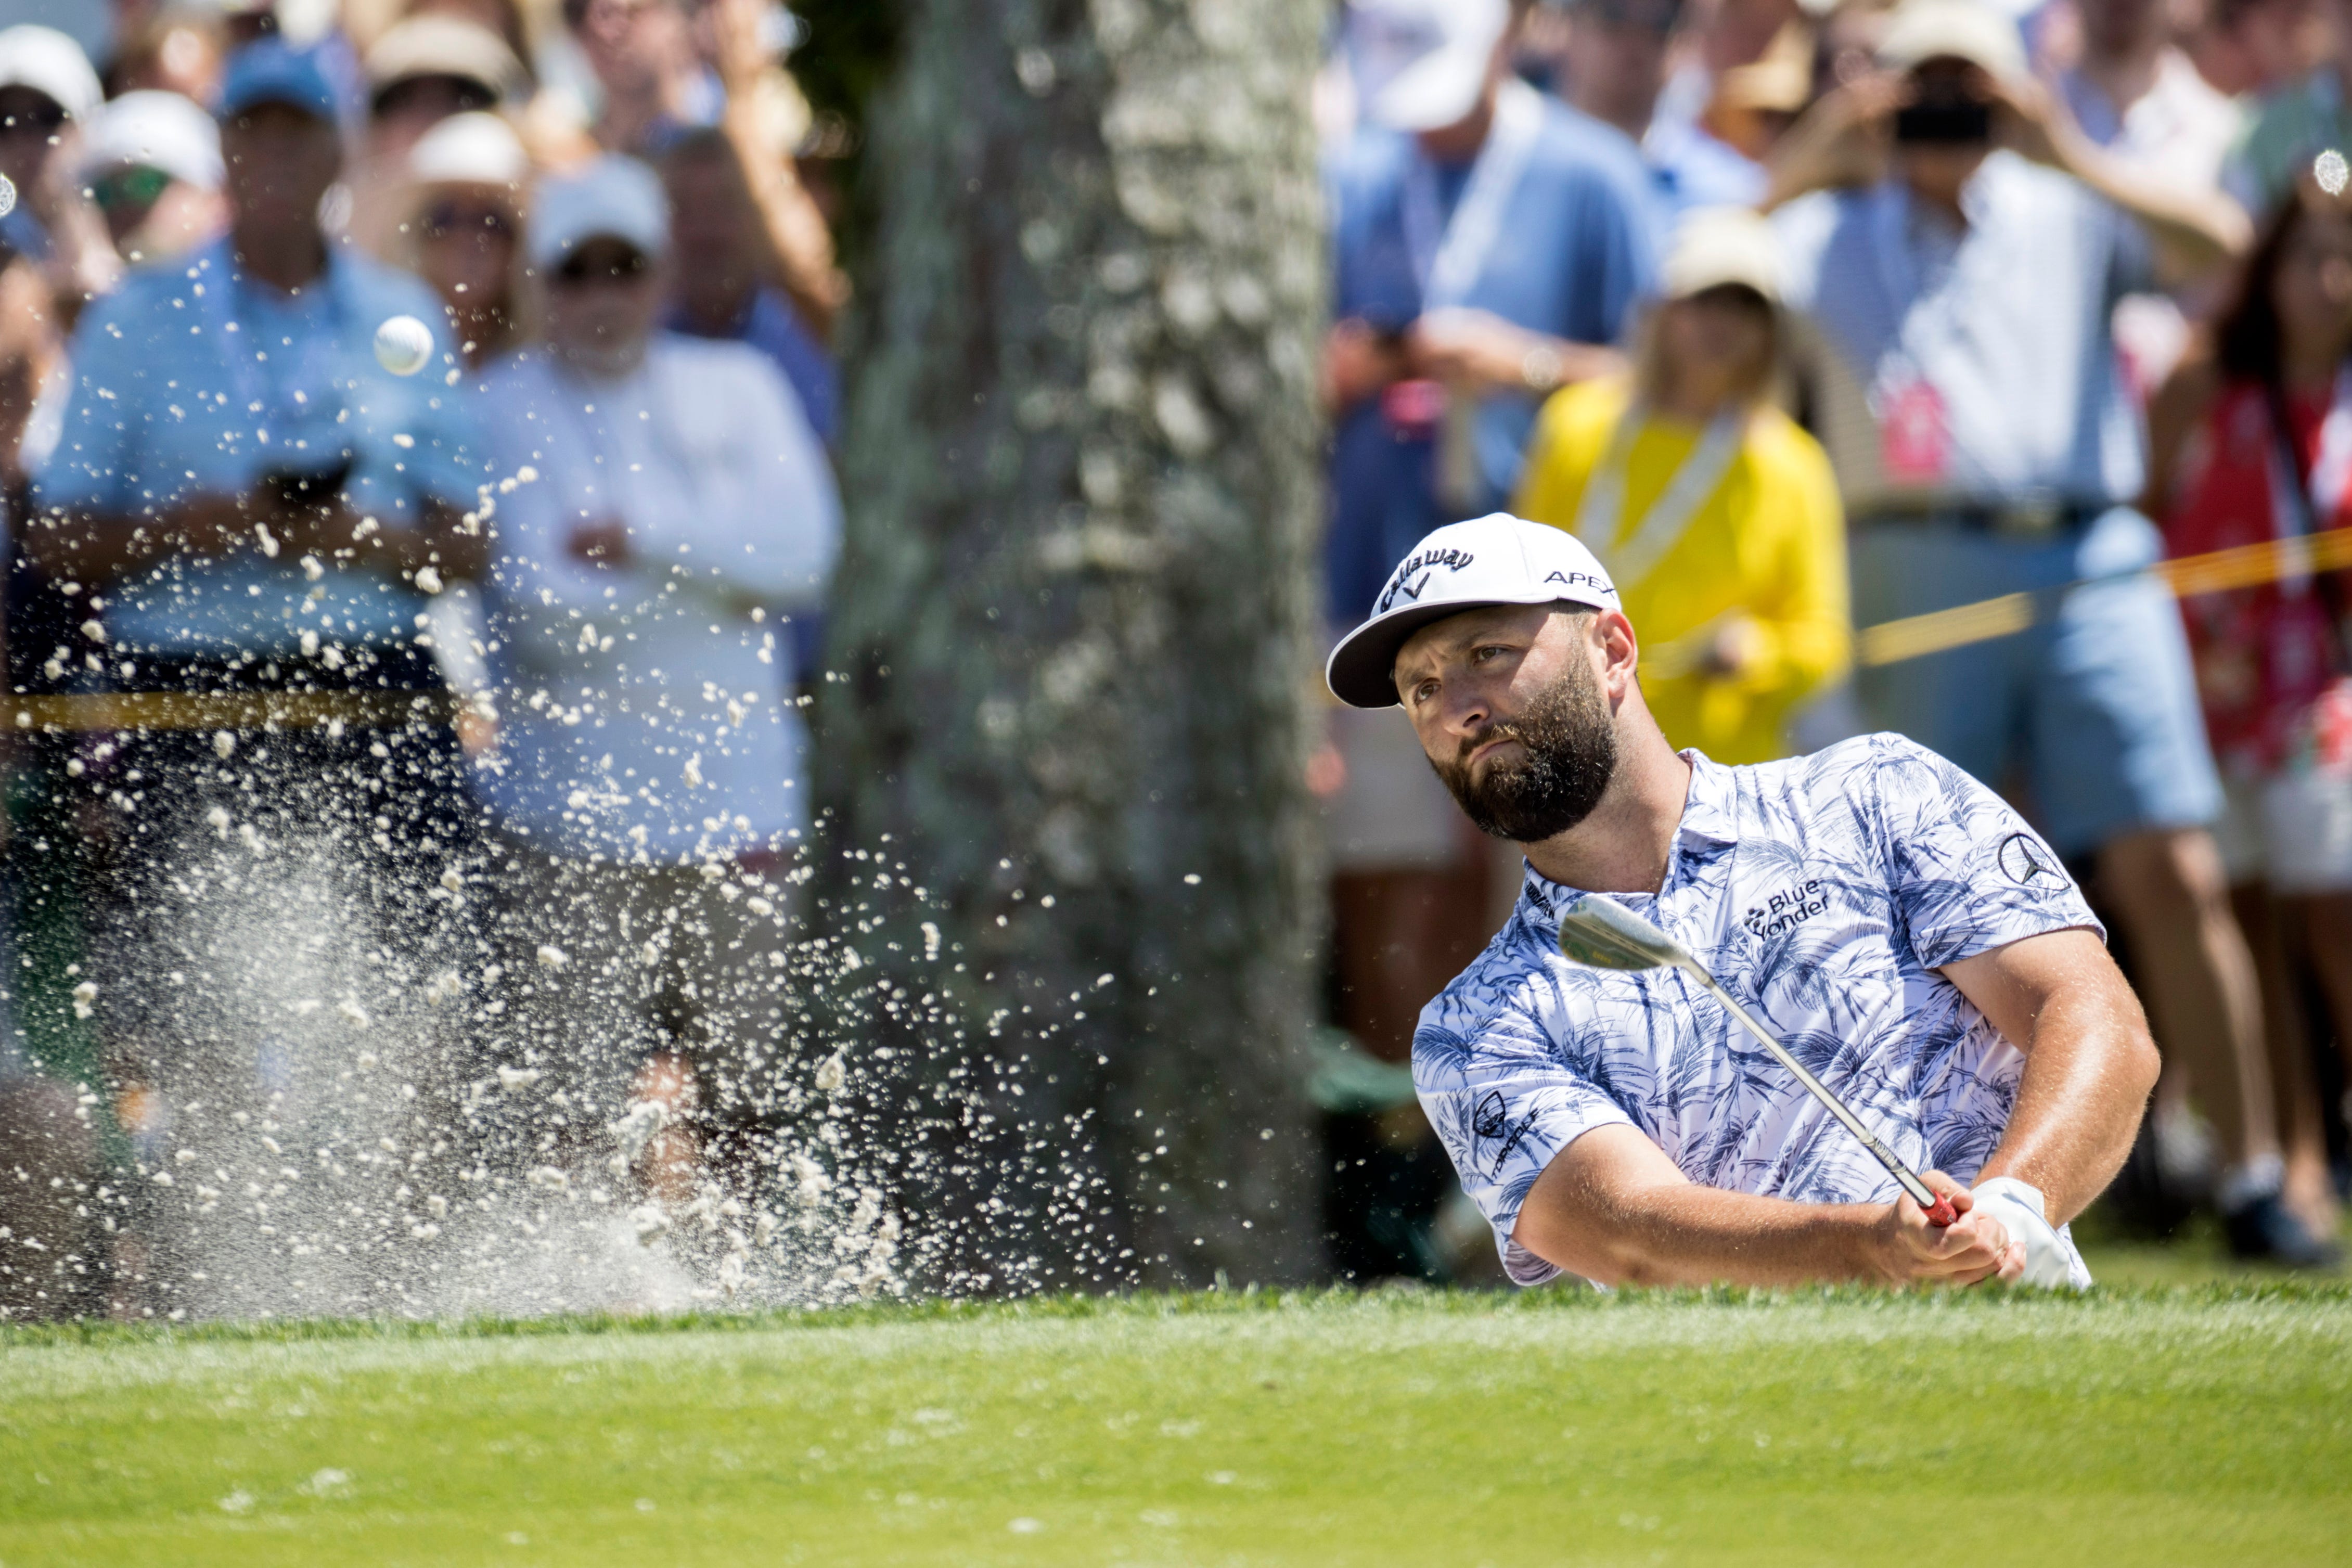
(1422, 64)
(1493, 560)
(476, 148)
(51, 64)
(1924, 30)
(612, 197)
(1712, 247)
(155, 131)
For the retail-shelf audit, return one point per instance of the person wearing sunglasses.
(463, 231)
(650, 785)
(47, 95)
(152, 164)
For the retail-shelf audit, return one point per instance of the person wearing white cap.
(47, 96)
(152, 162)
(650, 782)
(1718, 515)
(1958, 349)
(1489, 245)
(1904, 930)
(462, 230)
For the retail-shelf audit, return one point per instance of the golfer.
(1912, 941)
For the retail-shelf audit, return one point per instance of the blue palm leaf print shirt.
(1825, 892)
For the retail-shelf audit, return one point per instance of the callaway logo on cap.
(1493, 560)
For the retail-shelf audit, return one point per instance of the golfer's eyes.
(1424, 691)
(1492, 651)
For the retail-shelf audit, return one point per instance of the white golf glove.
(2020, 1209)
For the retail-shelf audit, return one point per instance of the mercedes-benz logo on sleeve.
(2026, 863)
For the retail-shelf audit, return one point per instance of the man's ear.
(1616, 650)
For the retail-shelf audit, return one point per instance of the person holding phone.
(1954, 249)
(250, 514)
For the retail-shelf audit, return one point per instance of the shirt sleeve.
(88, 470)
(1503, 1098)
(770, 525)
(1966, 873)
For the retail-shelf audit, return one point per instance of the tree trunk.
(1076, 629)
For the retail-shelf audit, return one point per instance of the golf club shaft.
(1940, 1211)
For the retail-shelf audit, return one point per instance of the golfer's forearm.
(2088, 1070)
(1701, 1235)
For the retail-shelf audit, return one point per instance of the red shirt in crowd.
(2265, 656)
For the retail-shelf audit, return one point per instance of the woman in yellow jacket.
(1717, 517)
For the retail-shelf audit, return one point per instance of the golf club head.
(1602, 935)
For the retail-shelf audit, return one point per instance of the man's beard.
(1569, 740)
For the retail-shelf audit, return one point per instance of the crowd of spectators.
(1808, 315)
(1804, 314)
(502, 653)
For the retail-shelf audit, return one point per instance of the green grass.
(2143, 1426)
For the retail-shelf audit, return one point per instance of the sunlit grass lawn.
(2190, 1427)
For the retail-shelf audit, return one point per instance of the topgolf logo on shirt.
(1411, 580)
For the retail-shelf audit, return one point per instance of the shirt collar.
(1710, 820)
(1711, 810)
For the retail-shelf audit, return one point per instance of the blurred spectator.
(2296, 123)
(651, 778)
(47, 94)
(463, 231)
(728, 292)
(503, 18)
(649, 81)
(250, 504)
(175, 50)
(1615, 67)
(2251, 443)
(1964, 376)
(1489, 245)
(1722, 37)
(1716, 516)
(152, 164)
(419, 73)
(2250, 48)
(2135, 93)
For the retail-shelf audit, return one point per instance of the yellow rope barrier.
(232, 710)
(2247, 566)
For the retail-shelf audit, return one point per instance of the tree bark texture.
(1075, 622)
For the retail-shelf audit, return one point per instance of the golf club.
(1602, 935)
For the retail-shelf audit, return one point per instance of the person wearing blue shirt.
(1614, 70)
(731, 292)
(255, 512)
(1490, 244)
(1965, 379)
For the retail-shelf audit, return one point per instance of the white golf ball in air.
(7, 195)
(403, 344)
(2332, 172)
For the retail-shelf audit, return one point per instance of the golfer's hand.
(1972, 1248)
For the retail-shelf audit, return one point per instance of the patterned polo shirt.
(1825, 892)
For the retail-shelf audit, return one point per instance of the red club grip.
(1943, 1213)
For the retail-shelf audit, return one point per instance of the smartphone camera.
(1947, 113)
